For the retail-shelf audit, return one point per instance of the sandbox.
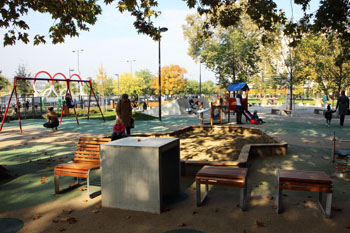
(222, 145)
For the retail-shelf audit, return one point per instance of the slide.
(249, 117)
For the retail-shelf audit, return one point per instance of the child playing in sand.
(118, 130)
(328, 115)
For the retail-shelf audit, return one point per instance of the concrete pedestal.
(139, 173)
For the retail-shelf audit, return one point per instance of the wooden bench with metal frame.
(318, 110)
(87, 159)
(275, 111)
(223, 176)
(312, 181)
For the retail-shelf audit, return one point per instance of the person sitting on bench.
(118, 130)
(52, 119)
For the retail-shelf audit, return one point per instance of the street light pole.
(200, 80)
(163, 29)
(77, 51)
(70, 71)
(131, 61)
(117, 82)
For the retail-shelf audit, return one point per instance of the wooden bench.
(318, 110)
(223, 176)
(287, 112)
(275, 111)
(87, 158)
(313, 181)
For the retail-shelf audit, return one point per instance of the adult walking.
(124, 112)
(239, 108)
(343, 105)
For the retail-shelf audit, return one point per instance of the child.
(328, 115)
(52, 119)
(118, 130)
(256, 117)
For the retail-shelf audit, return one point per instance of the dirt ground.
(217, 144)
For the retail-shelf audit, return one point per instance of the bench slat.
(310, 189)
(305, 184)
(223, 172)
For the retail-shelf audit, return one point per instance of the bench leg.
(327, 211)
(198, 193)
(94, 194)
(57, 185)
(278, 196)
(243, 196)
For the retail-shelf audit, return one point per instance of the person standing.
(124, 112)
(239, 108)
(324, 100)
(343, 105)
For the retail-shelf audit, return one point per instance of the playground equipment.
(232, 101)
(342, 166)
(50, 90)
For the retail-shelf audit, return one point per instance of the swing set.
(52, 80)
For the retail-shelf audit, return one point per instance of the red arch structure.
(52, 79)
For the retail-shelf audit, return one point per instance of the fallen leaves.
(127, 217)
(259, 224)
(36, 217)
(182, 224)
(61, 229)
(42, 180)
(215, 210)
(194, 212)
(85, 200)
(95, 211)
(67, 211)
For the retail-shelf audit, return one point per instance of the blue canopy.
(238, 87)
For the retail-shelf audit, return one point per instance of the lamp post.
(131, 61)
(200, 80)
(163, 29)
(77, 51)
(117, 82)
(70, 70)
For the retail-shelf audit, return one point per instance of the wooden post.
(220, 113)
(333, 151)
(211, 114)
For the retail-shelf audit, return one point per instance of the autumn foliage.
(172, 80)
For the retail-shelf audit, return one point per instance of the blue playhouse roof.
(238, 87)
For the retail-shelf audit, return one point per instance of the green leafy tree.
(23, 86)
(70, 17)
(208, 88)
(191, 87)
(86, 87)
(231, 53)
(110, 84)
(5, 84)
(147, 76)
(325, 62)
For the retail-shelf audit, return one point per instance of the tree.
(191, 87)
(172, 80)
(86, 87)
(71, 16)
(208, 88)
(23, 86)
(147, 76)
(101, 81)
(4, 83)
(130, 85)
(325, 62)
(231, 53)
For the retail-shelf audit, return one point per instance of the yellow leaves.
(172, 80)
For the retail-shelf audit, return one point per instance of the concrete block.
(140, 173)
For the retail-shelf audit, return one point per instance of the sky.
(111, 43)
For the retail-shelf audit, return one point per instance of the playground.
(32, 155)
